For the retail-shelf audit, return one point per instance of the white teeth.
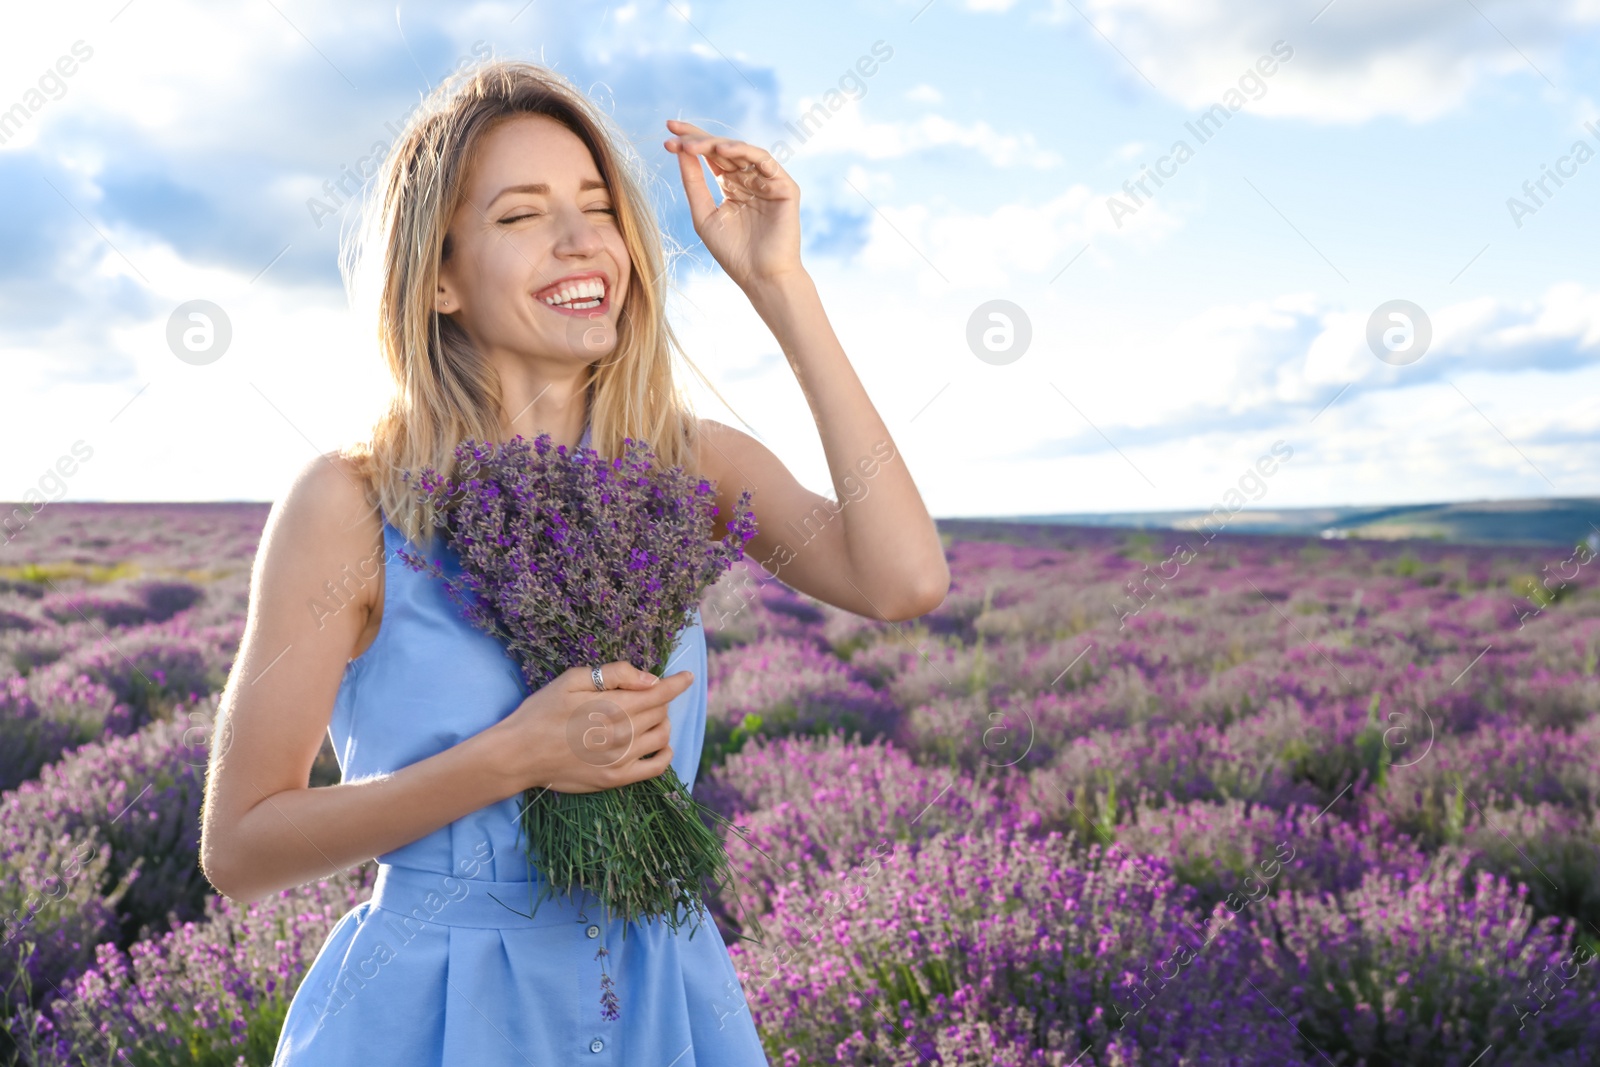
(584, 294)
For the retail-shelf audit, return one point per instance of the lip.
(602, 308)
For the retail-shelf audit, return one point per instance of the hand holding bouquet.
(571, 561)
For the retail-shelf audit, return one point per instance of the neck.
(532, 407)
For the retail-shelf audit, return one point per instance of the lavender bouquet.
(571, 560)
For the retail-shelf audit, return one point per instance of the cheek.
(501, 271)
(619, 255)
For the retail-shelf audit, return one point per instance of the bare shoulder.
(721, 450)
(708, 440)
(328, 497)
(323, 520)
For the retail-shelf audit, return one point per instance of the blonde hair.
(444, 390)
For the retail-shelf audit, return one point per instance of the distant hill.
(1553, 521)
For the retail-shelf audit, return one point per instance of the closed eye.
(539, 214)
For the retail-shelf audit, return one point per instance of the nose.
(579, 236)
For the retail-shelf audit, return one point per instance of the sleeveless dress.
(437, 969)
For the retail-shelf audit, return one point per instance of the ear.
(444, 300)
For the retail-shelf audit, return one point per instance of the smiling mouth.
(586, 294)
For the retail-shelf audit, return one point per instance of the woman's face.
(537, 267)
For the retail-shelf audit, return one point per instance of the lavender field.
(1124, 798)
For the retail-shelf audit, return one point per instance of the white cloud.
(1568, 312)
(1187, 406)
(1126, 152)
(849, 132)
(1298, 350)
(1358, 60)
(999, 245)
(1559, 331)
(237, 428)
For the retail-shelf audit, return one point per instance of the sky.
(1084, 255)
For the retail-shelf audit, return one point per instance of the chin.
(597, 340)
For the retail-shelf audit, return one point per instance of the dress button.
(596, 1045)
(593, 931)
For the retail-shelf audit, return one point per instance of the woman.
(520, 290)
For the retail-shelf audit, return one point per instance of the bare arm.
(263, 828)
(875, 551)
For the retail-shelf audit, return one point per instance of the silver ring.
(597, 678)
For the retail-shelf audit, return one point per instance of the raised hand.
(754, 234)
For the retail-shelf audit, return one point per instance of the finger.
(655, 737)
(730, 156)
(578, 678)
(701, 202)
(670, 686)
(642, 742)
(637, 704)
(722, 165)
(760, 178)
(653, 766)
(628, 676)
(687, 130)
(726, 155)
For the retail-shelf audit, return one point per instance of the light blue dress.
(436, 970)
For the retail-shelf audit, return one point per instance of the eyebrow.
(543, 189)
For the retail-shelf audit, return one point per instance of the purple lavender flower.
(570, 559)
